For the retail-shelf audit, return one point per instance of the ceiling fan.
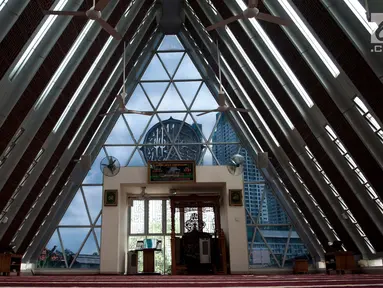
(94, 13)
(222, 107)
(121, 99)
(251, 12)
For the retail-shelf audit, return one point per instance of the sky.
(77, 214)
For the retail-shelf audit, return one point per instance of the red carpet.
(280, 281)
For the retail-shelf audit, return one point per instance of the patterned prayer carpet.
(276, 281)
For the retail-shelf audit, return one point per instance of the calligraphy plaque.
(171, 171)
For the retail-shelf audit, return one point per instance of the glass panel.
(137, 159)
(170, 42)
(188, 213)
(155, 91)
(188, 90)
(209, 219)
(187, 70)
(171, 61)
(89, 257)
(177, 220)
(120, 133)
(51, 256)
(155, 217)
(76, 213)
(204, 100)
(159, 257)
(137, 216)
(168, 255)
(139, 101)
(171, 101)
(72, 240)
(155, 71)
(93, 195)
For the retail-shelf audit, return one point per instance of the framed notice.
(235, 197)
(110, 198)
(171, 171)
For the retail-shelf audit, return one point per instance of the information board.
(171, 171)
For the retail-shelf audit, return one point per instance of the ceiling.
(40, 149)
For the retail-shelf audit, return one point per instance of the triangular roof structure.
(311, 88)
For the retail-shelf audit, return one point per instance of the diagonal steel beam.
(254, 116)
(78, 173)
(236, 121)
(54, 139)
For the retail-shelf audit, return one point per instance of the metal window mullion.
(62, 247)
(146, 216)
(81, 246)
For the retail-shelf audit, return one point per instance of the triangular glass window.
(176, 132)
(93, 196)
(89, 256)
(137, 159)
(52, 255)
(170, 42)
(155, 70)
(139, 101)
(76, 213)
(204, 100)
(72, 240)
(187, 70)
(188, 90)
(120, 133)
(155, 91)
(171, 61)
(171, 100)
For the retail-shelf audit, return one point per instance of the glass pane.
(72, 240)
(137, 215)
(209, 219)
(120, 133)
(188, 90)
(190, 217)
(171, 61)
(51, 256)
(168, 255)
(155, 71)
(93, 197)
(159, 258)
(76, 213)
(170, 42)
(177, 220)
(155, 216)
(187, 70)
(155, 91)
(89, 258)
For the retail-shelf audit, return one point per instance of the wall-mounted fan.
(235, 165)
(110, 166)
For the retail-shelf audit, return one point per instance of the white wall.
(114, 219)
